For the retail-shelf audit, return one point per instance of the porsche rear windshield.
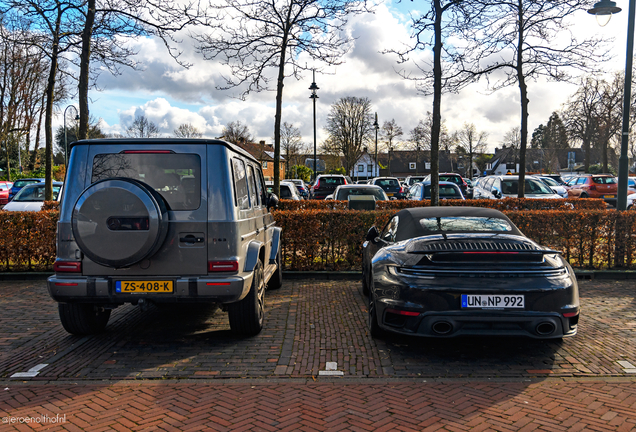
(465, 224)
(177, 177)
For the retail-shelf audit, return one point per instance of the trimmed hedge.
(331, 240)
(27, 240)
(501, 205)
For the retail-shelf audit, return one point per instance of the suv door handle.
(191, 239)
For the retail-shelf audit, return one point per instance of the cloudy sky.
(170, 95)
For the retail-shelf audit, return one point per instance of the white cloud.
(170, 95)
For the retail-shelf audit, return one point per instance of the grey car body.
(422, 191)
(164, 221)
(343, 192)
(506, 186)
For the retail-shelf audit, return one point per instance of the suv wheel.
(83, 318)
(119, 222)
(246, 316)
(276, 281)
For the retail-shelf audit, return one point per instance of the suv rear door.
(178, 173)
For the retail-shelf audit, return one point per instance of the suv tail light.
(222, 266)
(67, 267)
(592, 187)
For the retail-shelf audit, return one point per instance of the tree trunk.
(34, 155)
(279, 113)
(85, 59)
(437, 104)
(523, 89)
(48, 116)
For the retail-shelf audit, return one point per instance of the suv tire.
(104, 216)
(246, 316)
(83, 318)
(276, 281)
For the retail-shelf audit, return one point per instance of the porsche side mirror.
(373, 234)
(272, 201)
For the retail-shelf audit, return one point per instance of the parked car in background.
(630, 201)
(422, 191)
(342, 193)
(288, 190)
(556, 187)
(603, 186)
(325, 184)
(465, 271)
(4, 191)
(390, 185)
(411, 180)
(31, 197)
(556, 177)
(631, 182)
(507, 186)
(19, 184)
(457, 179)
(303, 190)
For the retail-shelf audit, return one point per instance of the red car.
(603, 186)
(4, 191)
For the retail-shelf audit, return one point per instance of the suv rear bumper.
(99, 290)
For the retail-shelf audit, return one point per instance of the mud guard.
(275, 244)
(253, 250)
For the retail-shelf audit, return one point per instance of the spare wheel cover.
(118, 222)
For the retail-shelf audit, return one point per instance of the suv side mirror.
(496, 192)
(373, 234)
(272, 201)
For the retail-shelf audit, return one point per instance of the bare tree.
(253, 37)
(420, 139)
(527, 39)
(471, 141)
(291, 142)
(141, 127)
(235, 132)
(350, 127)
(391, 131)
(187, 130)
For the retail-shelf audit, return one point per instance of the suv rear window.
(176, 177)
(332, 181)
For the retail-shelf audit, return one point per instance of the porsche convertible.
(451, 271)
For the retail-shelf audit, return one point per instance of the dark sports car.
(451, 271)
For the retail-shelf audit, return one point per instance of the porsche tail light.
(402, 312)
(67, 267)
(222, 266)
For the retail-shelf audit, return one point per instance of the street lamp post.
(376, 126)
(65, 135)
(605, 9)
(314, 96)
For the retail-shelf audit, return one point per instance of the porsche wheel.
(374, 328)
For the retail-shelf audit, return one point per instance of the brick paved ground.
(576, 384)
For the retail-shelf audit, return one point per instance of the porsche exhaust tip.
(545, 328)
(442, 327)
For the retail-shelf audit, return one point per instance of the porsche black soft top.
(410, 227)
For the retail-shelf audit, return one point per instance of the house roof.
(261, 151)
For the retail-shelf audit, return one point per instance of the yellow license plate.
(610, 196)
(144, 286)
(389, 194)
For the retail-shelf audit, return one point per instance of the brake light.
(402, 312)
(67, 267)
(222, 266)
(147, 151)
(592, 187)
(570, 314)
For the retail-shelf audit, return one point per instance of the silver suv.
(164, 221)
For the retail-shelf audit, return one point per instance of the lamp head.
(604, 11)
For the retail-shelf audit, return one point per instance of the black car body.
(391, 186)
(451, 271)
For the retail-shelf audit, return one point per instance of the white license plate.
(492, 301)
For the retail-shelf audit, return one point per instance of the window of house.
(360, 168)
(412, 165)
(369, 168)
(264, 164)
